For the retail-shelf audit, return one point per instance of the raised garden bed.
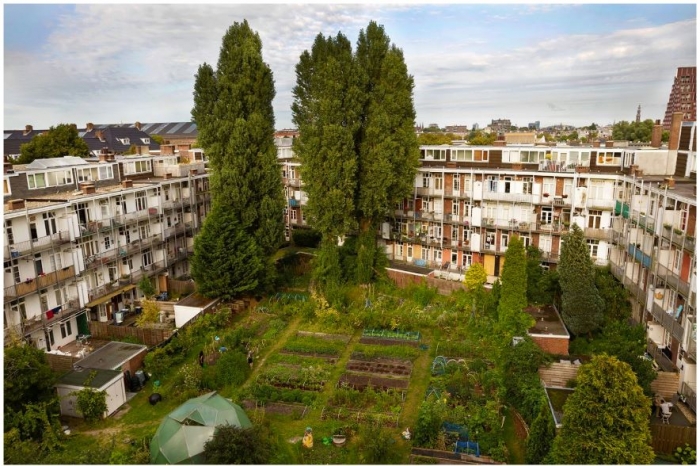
(292, 376)
(292, 409)
(397, 368)
(315, 346)
(325, 336)
(361, 382)
(331, 359)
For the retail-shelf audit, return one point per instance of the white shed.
(108, 381)
(193, 305)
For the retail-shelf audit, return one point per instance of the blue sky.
(556, 63)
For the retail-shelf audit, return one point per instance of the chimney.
(99, 135)
(596, 143)
(28, 129)
(656, 134)
(87, 188)
(499, 143)
(15, 204)
(675, 136)
(137, 125)
(89, 127)
(183, 148)
(167, 149)
(168, 176)
(127, 184)
(103, 157)
(609, 143)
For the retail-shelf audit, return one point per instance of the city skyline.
(471, 63)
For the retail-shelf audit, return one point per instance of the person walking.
(250, 359)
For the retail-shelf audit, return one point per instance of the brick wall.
(404, 279)
(558, 346)
(61, 364)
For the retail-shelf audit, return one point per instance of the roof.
(172, 129)
(196, 300)
(547, 321)
(117, 139)
(77, 378)
(111, 356)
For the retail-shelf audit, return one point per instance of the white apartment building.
(81, 233)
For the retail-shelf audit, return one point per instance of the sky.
(558, 63)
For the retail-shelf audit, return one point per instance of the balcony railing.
(673, 280)
(598, 233)
(43, 281)
(430, 191)
(667, 321)
(660, 357)
(45, 242)
(507, 197)
(37, 322)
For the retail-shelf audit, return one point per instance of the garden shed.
(181, 436)
(190, 307)
(116, 356)
(109, 381)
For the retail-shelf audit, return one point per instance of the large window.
(435, 154)
(49, 179)
(593, 247)
(104, 172)
(141, 202)
(469, 155)
(137, 166)
(609, 158)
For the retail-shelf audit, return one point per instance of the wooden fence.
(665, 438)
(146, 336)
(181, 287)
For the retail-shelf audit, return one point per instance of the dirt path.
(110, 431)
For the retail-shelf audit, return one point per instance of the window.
(12, 268)
(466, 260)
(504, 241)
(293, 214)
(108, 242)
(492, 183)
(466, 235)
(52, 340)
(56, 263)
(426, 180)
(18, 306)
(146, 140)
(548, 186)
(594, 218)
(455, 183)
(49, 179)
(490, 241)
(409, 252)
(146, 259)
(546, 216)
(593, 247)
(106, 172)
(399, 249)
(38, 266)
(609, 158)
(137, 166)
(677, 259)
(435, 154)
(6, 187)
(66, 330)
(437, 255)
(141, 202)
(481, 155)
(462, 155)
(527, 241)
(438, 181)
(50, 223)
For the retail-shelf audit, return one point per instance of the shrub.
(685, 455)
(306, 238)
(232, 369)
(91, 403)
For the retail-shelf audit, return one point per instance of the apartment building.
(81, 233)
(635, 205)
(294, 214)
(683, 96)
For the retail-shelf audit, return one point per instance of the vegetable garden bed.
(345, 414)
(361, 382)
(392, 367)
(388, 341)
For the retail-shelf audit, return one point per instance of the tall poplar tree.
(387, 145)
(325, 111)
(582, 306)
(511, 316)
(236, 124)
(359, 153)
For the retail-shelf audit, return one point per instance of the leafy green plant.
(303, 344)
(685, 455)
(91, 403)
(232, 369)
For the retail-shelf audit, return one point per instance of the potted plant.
(678, 231)
(667, 226)
(545, 195)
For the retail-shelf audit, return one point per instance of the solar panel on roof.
(82, 133)
(7, 135)
(176, 127)
(160, 128)
(146, 126)
(192, 127)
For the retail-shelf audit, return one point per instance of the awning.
(109, 296)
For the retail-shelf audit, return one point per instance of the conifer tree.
(582, 306)
(606, 419)
(511, 316)
(235, 122)
(359, 153)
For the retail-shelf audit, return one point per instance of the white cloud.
(110, 63)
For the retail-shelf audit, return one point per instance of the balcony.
(673, 280)
(667, 321)
(598, 233)
(33, 284)
(639, 255)
(40, 321)
(296, 182)
(604, 204)
(507, 197)
(549, 256)
(556, 166)
(622, 209)
(32, 246)
(660, 357)
(688, 393)
(430, 191)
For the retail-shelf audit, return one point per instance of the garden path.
(420, 378)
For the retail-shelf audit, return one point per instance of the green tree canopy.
(27, 377)
(582, 306)
(56, 142)
(480, 138)
(541, 436)
(227, 262)
(359, 153)
(235, 122)
(511, 316)
(233, 445)
(606, 419)
(435, 139)
(633, 131)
